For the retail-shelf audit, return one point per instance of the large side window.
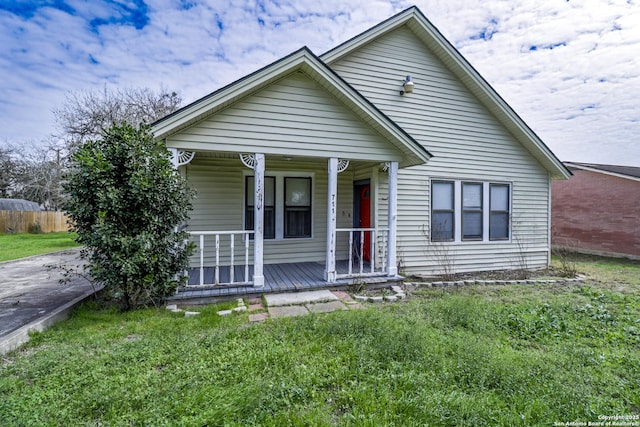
(442, 211)
(499, 215)
(471, 211)
(463, 211)
(297, 207)
(269, 205)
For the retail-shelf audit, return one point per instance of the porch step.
(297, 298)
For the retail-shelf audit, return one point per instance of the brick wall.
(597, 212)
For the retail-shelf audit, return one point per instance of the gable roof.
(415, 20)
(628, 172)
(301, 60)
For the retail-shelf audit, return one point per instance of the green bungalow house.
(388, 155)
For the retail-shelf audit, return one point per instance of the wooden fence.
(30, 221)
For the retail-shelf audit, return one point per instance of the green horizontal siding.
(294, 116)
(468, 143)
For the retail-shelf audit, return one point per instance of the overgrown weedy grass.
(475, 356)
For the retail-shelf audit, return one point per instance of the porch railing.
(230, 254)
(220, 255)
(376, 265)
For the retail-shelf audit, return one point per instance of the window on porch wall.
(297, 207)
(295, 211)
(269, 205)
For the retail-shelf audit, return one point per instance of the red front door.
(365, 220)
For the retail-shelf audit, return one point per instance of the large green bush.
(125, 200)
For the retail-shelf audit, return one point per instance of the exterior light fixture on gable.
(407, 86)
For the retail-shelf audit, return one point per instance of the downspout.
(549, 224)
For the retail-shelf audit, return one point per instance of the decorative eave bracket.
(342, 165)
(249, 160)
(184, 157)
(385, 166)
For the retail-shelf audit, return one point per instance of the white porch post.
(258, 222)
(392, 267)
(174, 157)
(332, 202)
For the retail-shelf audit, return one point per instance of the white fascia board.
(371, 34)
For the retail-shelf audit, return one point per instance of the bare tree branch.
(86, 115)
(36, 173)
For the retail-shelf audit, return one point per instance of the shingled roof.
(623, 171)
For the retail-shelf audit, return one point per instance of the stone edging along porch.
(497, 282)
(324, 301)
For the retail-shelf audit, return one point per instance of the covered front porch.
(337, 250)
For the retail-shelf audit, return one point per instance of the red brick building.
(598, 210)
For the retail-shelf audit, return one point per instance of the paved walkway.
(31, 297)
(289, 304)
(302, 303)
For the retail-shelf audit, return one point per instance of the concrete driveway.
(31, 297)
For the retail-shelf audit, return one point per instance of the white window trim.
(486, 210)
(279, 188)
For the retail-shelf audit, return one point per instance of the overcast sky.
(570, 69)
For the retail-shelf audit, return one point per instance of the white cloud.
(570, 69)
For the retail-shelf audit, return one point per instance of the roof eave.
(306, 61)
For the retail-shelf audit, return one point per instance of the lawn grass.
(473, 356)
(14, 246)
(613, 273)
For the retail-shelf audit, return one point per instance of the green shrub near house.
(125, 200)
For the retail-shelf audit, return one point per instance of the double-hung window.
(442, 212)
(269, 205)
(287, 206)
(297, 207)
(470, 211)
(499, 222)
